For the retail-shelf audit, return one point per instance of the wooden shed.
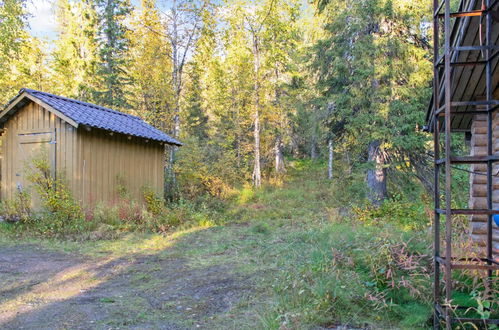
(93, 148)
(474, 49)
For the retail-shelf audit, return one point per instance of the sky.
(42, 21)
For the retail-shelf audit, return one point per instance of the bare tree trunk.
(376, 177)
(313, 148)
(257, 174)
(279, 158)
(348, 163)
(170, 177)
(330, 161)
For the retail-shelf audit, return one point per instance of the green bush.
(61, 213)
(398, 211)
(154, 203)
(208, 169)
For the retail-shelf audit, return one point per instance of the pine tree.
(201, 73)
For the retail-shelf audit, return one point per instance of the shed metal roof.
(82, 113)
(468, 82)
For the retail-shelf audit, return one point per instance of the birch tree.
(183, 25)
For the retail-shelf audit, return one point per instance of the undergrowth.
(345, 263)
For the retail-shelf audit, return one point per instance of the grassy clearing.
(306, 257)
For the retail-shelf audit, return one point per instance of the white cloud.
(42, 20)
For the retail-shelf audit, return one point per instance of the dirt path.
(41, 289)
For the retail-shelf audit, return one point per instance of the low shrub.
(154, 203)
(18, 208)
(61, 215)
(405, 214)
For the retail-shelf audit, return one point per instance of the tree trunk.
(313, 148)
(376, 176)
(170, 177)
(279, 158)
(348, 163)
(330, 161)
(257, 174)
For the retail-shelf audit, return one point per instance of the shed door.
(33, 146)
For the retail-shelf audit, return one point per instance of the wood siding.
(89, 161)
(103, 158)
(34, 120)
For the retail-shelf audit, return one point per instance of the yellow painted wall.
(90, 161)
(28, 123)
(103, 158)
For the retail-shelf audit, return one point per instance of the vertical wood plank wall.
(35, 118)
(103, 158)
(89, 161)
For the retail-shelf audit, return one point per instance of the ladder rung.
(474, 103)
(454, 104)
(471, 13)
(462, 113)
(468, 159)
(455, 64)
(472, 48)
(469, 211)
(474, 266)
(478, 264)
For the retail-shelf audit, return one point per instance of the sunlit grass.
(282, 238)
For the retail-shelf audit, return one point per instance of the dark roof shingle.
(101, 117)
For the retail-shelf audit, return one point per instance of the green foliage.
(207, 169)
(345, 269)
(22, 58)
(406, 214)
(149, 67)
(113, 42)
(13, 17)
(75, 56)
(61, 213)
(55, 196)
(375, 72)
(154, 203)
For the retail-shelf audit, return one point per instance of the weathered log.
(480, 228)
(480, 190)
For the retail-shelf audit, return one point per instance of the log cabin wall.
(478, 180)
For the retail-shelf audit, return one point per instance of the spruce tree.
(114, 44)
(76, 55)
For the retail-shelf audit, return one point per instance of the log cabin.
(468, 84)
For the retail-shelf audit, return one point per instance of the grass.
(308, 259)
